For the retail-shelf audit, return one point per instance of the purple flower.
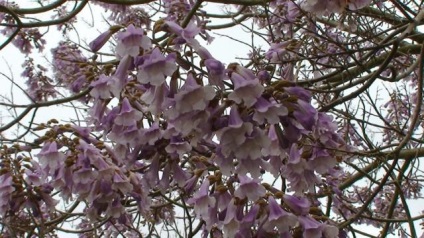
(216, 72)
(106, 86)
(299, 92)
(278, 218)
(204, 54)
(269, 111)
(50, 158)
(130, 41)
(101, 87)
(178, 147)
(321, 161)
(6, 190)
(298, 205)
(202, 201)
(128, 115)
(232, 219)
(264, 76)
(278, 52)
(299, 174)
(125, 135)
(150, 135)
(231, 137)
(250, 188)
(192, 97)
(121, 183)
(245, 90)
(156, 67)
(156, 98)
(101, 40)
(187, 34)
(193, 123)
(358, 4)
(325, 7)
(306, 114)
(314, 229)
(115, 208)
(248, 221)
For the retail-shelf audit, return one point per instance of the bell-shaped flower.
(121, 183)
(252, 146)
(101, 87)
(299, 93)
(150, 135)
(202, 201)
(178, 147)
(297, 171)
(155, 67)
(186, 34)
(191, 97)
(130, 41)
(128, 115)
(232, 219)
(6, 190)
(315, 229)
(156, 98)
(250, 188)
(107, 86)
(245, 90)
(231, 137)
(278, 217)
(268, 111)
(298, 205)
(194, 124)
(305, 114)
(115, 208)
(324, 7)
(216, 72)
(278, 52)
(248, 222)
(101, 40)
(50, 158)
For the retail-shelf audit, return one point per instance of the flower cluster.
(70, 67)
(169, 125)
(40, 87)
(176, 133)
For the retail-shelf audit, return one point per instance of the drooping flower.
(50, 157)
(231, 137)
(250, 188)
(245, 90)
(186, 34)
(278, 218)
(150, 135)
(101, 87)
(128, 115)
(130, 41)
(324, 7)
(232, 219)
(155, 67)
(315, 229)
(191, 97)
(300, 175)
(6, 190)
(101, 40)
(298, 205)
(156, 98)
(216, 72)
(268, 111)
(177, 147)
(202, 201)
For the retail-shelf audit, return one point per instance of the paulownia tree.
(316, 130)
